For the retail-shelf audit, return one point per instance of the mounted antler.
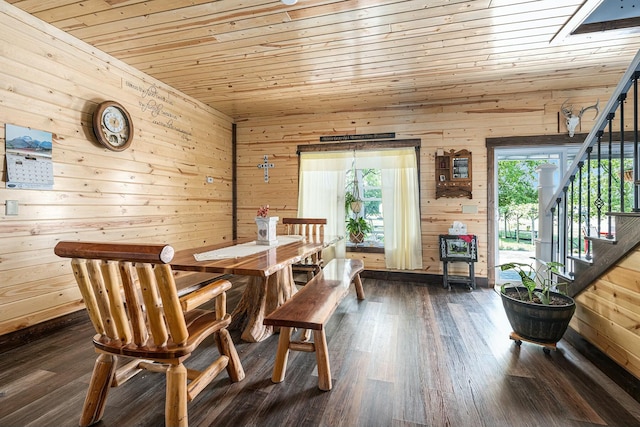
(572, 120)
(596, 106)
(566, 112)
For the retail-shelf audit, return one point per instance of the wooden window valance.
(360, 145)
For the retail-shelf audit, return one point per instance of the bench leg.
(358, 284)
(322, 360)
(280, 366)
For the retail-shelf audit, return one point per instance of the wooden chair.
(313, 229)
(131, 298)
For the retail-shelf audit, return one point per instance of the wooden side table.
(458, 248)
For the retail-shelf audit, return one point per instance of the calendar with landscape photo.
(28, 140)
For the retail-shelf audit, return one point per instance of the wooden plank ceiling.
(260, 57)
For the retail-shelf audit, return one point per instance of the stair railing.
(604, 178)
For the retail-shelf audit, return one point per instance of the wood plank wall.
(455, 126)
(607, 313)
(155, 191)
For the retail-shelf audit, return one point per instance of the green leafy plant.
(358, 228)
(538, 282)
(348, 198)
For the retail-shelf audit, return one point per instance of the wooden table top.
(261, 264)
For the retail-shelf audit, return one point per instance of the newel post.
(545, 219)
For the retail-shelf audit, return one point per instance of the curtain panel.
(322, 193)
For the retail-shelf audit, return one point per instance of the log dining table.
(268, 267)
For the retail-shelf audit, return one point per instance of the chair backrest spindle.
(101, 297)
(133, 303)
(311, 228)
(171, 303)
(113, 286)
(81, 273)
(154, 312)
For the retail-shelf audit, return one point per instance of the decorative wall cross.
(266, 166)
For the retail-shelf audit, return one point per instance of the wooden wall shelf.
(453, 174)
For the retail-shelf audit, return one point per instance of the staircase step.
(611, 240)
(582, 259)
(606, 252)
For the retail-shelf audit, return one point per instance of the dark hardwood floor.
(409, 355)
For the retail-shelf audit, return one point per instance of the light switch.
(469, 209)
(11, 207)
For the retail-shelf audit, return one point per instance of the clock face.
(112, 126)
(113, 120)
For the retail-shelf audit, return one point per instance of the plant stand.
(447, 279)
(458, 248)
(546, 346)
(537, 323)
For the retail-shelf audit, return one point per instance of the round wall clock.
(112, 126)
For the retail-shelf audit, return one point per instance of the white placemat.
(244, 249)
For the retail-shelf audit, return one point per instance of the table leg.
(261, 296)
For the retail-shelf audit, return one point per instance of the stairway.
(606, 252)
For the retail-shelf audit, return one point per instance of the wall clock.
(112, 126)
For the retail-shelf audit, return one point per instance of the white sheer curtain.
(321, 195)
(400, 205)
(321, 191)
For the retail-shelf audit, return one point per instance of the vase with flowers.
(266, 227)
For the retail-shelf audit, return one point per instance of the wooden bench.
(311, 308)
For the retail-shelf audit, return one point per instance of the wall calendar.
(29, 158)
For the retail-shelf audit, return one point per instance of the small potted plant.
(539, 309)
(358, 229)
(352, 203)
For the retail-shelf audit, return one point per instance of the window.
(597, 16)
(369, 183)
(388, 185)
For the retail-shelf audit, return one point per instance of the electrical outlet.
(209, 180)
(11, 207)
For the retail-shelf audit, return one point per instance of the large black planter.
(538, 322)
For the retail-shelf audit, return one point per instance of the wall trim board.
(360, 145)
(525, 141)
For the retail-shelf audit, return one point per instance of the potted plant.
(538, 310)
(358, 229)
(353, 203)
